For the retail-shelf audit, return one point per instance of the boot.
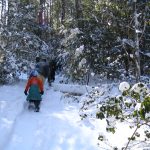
(37, 109)
(37, 105)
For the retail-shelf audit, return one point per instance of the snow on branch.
(129, 42)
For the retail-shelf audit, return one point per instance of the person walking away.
(52, 70)
(34, 90)
(37, 65)
(43, 68)
(38, 68)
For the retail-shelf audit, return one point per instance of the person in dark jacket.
(52, 70)
(42, 68)
(34, 90)
(38, 68)
(45, 68)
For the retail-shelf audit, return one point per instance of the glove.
(25, 92)
(42, 92)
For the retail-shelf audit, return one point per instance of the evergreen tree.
(21, 36)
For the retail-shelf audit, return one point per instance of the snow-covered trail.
(56, 127)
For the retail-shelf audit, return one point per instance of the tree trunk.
(51, 13)
(63, 11)
(12, 8)
(3, 12)
(1, 8)
(79, 13)
(137, 49)
(58, 23)
(42, 2)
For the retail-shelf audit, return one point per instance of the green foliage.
(132, 108)
(107, 33)
(112, 130)
(147, 133)
(101, 138)
(100, 115)
(133, 104)
(108, 37)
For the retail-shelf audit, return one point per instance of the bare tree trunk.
(3, 13)
(42, 2)
(58, 23)
(1, 8)
(12, 8)
(137, 49)
(78, 6)
(63, 11)
(79, 13)
(51, 13)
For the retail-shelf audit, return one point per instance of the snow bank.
(70, 88)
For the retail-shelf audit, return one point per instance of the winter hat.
(33, 73)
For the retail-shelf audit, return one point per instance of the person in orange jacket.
(34, 90)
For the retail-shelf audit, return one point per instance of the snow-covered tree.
(21, 36)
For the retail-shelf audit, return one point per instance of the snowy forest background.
(109, 39)
(92, 41)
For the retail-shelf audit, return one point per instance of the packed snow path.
(56, 127)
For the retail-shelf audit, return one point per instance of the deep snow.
(57, 126)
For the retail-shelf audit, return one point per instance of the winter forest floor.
(57, 126)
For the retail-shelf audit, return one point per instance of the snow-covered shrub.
(72, 55)
(132, 106)
(9, 71)
(124, 86)
(94, 44)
